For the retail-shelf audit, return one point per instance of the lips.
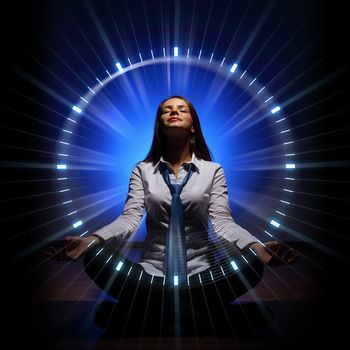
(173, 119)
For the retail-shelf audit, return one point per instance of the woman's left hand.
(274, 253)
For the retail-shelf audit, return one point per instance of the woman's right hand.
(71, 247)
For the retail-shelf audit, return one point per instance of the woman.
(179, 148)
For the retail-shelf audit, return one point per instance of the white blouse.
(204, 197)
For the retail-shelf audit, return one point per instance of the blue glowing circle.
(110, 129)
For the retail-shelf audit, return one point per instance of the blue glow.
(290, 166)
(211, 57)
(200, 279)
(77, 224)
(275, 223)
(91, 90)
(76, 109)
(119, 266)
(268, 233)
(100, 82)
(252, 251)
(84, 233)
(99, 251)
(61, 166)
(234, 265)
(234, 67)
(120, 68)
(176, 51)
(211, 275)
(275, 110)
(127, 127)
(91, 242)
(251, 83)
(176, 280)
(222, 270)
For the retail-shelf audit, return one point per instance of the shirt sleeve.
(130, 218)
(221, 216)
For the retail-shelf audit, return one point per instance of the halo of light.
(71, 154)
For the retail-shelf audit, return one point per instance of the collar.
(195, 161)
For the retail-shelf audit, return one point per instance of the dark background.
(22, 22)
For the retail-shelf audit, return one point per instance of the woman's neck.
(177, 151)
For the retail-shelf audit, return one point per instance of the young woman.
(178, 149)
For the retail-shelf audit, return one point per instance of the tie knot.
(177, 189)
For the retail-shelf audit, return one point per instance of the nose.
(174, 111)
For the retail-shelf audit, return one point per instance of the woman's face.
(176, 114)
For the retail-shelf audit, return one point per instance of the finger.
(70, 238)
(273, 247)
(72, 245)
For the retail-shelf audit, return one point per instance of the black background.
(20, 24)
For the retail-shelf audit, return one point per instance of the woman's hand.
(274, 253)
(71, 247)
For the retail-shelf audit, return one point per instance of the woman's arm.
(273, 253)
(130, 218)
(72, 247)
(221, 216)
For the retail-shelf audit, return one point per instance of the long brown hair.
(197, 141)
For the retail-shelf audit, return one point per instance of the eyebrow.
(180, 106)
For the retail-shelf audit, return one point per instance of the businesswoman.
(180, 187)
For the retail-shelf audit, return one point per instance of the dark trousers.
(130, 284)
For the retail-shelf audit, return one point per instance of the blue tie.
(175, 261)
